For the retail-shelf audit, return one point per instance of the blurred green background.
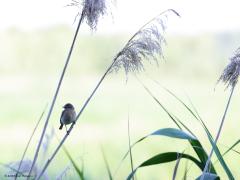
(30, 65)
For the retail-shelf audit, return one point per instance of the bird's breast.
(68, 117)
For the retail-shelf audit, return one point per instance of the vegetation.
(121, 114)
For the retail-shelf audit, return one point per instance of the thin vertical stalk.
(176, 168)
(56, 93)
(72, 125)
(218, 133)
(130, 149)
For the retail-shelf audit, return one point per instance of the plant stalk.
(218, 133)
(56, 94)
(72, 125)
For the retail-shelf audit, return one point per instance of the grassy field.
(30, 63)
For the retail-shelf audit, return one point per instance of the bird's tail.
(61, 126)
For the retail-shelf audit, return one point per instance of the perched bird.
(68, 115)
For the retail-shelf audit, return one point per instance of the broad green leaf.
(201, 153)
(165, 158)
(169, 132)
(196, 145)
(173, 133)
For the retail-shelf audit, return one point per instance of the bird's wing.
(61, 116)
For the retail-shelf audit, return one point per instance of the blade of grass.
(30, 139)
(129, 148)
(106, 164)
(79, 172)
(229, 149)
(202, 155)
(215, 148)
(176, 97)
(195, 115)
(169, 132)
(169, 114)
(195, 144)
(172, 117)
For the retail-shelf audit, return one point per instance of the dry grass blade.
(30, 139)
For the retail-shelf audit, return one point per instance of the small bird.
(68, 115)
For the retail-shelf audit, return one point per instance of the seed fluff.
(231, 72)
(144, 44)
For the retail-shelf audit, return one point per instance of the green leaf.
(106, 164)
(165, 158)
(173, 133)
(201, 153)
(169, 132)
(231, 148)
(209, 176)
(196, 145)
(79, 172)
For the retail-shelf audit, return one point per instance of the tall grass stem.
(56, 94)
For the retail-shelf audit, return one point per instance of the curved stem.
(55, 95)
(72, 125)
(218, 133)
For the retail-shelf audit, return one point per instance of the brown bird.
(68, 115)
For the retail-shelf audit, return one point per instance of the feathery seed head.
(232, 70)
(144, 44)
(91, 10)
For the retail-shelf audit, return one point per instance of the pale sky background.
(197, 16)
